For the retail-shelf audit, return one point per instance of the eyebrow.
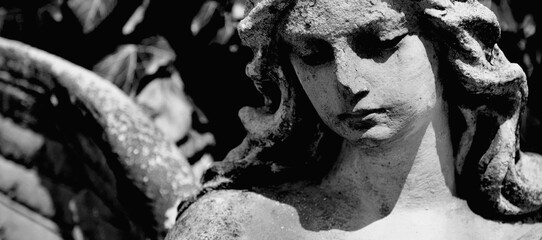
(382, 33)
(394, 26)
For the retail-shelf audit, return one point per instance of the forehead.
(330, 18)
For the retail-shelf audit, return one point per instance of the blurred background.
(181, 61)
(183, 64)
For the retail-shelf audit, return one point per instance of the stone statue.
(383, 119)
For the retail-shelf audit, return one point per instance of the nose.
(349, 74)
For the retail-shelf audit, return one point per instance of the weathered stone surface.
(88, 146)
(383, 120)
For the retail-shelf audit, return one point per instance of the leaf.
(528, 25)
(225, 33)
(120, 68)
(238, 10)
(91, 13)
(169, 107)
(132, 66)
(154, 53)
(51, 10)
(203, 17)
(136, 18)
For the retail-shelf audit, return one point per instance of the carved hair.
(484, 91)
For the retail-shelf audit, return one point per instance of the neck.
(415, 171)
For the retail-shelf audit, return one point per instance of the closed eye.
(391, 43)
(370, 45)
(315, 52)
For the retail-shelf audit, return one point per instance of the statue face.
(367, 75)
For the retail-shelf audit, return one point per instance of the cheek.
(318, 96)
(319, 87)
(415, 83)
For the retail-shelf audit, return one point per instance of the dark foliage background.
(200, 35)
(204, 50)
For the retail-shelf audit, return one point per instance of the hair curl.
(485, 93)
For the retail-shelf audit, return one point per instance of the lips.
(360, 114)
(359, 119)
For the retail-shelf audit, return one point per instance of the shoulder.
(534, 233)
(217, 215)
(235, 214)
